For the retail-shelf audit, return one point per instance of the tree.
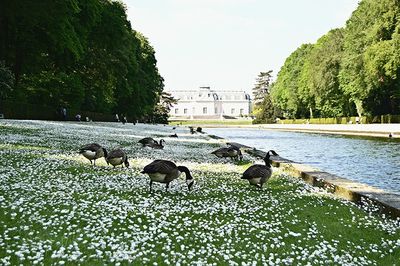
(290, 92)
(6, 81)
(371, 65)
(325, 58)
(261, 88)
(162, 109)
(83, 54)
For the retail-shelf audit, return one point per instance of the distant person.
(87, 119)
(78, 117)
(116, 118)
(64, 113)
(124, 120)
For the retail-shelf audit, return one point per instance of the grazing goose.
(147, 140)
(156, 145)
(93, 151)
(164, 171)
(232, 152)
(258, 174)
(117, 157)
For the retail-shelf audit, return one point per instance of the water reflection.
(374, 161)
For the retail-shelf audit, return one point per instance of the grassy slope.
(57, 208)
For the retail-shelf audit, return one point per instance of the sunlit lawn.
(58, 209)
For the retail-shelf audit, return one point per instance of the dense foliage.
(262, 104)
(347, 72)
(81, 54)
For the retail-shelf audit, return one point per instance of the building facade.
(205, 103)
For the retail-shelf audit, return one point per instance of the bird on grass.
(163, 171)
(117, 157)
(147, 140)
(258, 174)
(231, 152)
(156, 145)
(173, 136)
(92, 152)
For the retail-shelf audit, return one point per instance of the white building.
(205, 103)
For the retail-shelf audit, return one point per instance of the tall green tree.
(285, 92)
(324, 62)
(6, 81)
(262, 105)
(82, 54)
(370, 65)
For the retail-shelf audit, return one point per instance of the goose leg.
(166, 187)
(151, 184)
(94, 162)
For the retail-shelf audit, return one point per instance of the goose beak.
(190, 183)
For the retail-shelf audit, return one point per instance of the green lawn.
(58, 209)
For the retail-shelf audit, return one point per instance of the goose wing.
(90, 147)
(221, 151)
(147, 140)
(116, 154)
(256, 171)
(160, 166)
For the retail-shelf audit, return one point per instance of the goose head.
(266, 158)
(126, 162)
(189, 177)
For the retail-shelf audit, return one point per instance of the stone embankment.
(388, 203)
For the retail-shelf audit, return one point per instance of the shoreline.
(387, 202)
(365, 130)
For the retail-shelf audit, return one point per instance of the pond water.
(373, 161)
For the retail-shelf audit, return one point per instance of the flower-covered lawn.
(56, 208)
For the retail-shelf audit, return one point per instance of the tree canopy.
(348, 71)
(81, 54)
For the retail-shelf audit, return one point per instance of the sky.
(225, 44)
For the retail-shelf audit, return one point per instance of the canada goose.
(164, 171)
(173, 136)
(232, 152)
(258, 174)
(117, 157)
(147, 140)
(93, 151)
(156, 145)
(191, 130)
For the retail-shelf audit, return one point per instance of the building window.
(185, 111)
(204, 110)
(241, 111)
(232, 111)
(176, 110)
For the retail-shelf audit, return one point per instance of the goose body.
(259, 174)
(92, 152)
(163, 171)
(231, 152)
(147, 140)
(156, 145)
(117, 157)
